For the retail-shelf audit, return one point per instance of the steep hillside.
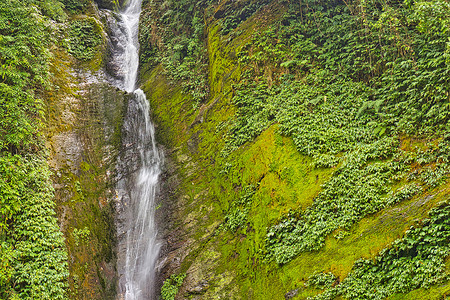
(33, 259)
(308, 146)
(59, 136)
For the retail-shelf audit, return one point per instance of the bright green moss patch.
(274, 162)
(271, 186)
(416, 260)
(159, 88)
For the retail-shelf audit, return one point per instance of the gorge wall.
(85, 115)
(306, 158)
(307, 148)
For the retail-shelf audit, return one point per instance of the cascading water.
(130, 19)
(144, 158)
(139, 168)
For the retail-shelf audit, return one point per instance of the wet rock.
(291, 294)
(199, 289)
(108, 4)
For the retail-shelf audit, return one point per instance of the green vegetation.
(39, 265)
(49, 8)
(33, 258)
(75, 6)
(231, 14)
(237, 215)
(171, 285)
(321, 280)
(382, 91)
(80, 235)
(336, 114)
(84, 37)
(417, 260)
(172, 33)
(329, 108)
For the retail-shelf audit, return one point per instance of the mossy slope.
(226, 201)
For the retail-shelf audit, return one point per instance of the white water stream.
(140, 167)
(142, 246)
(130, 19)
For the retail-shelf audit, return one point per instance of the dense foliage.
(172, 33)
(346, 84)
(417, 260)
(33, 259)
(232, 14)
(361, 89)
(75, 6)
(171, 285)
(84, 37)
(334, 61)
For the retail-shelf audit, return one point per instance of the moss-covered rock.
(222, 204)
(109, 4)
(84, 120)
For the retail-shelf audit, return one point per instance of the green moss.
(284, 180)
(83, 188)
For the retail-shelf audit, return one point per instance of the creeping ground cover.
(339, 87)
(417, 260)
(33, 258)
(322, 137)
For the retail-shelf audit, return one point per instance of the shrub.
(84, 37)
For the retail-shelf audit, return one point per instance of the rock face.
(84, 137)
(109, 4)
(216, 207)
(83, 161)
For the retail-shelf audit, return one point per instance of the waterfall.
(142, 247)
(130, 19)
(139, 169)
